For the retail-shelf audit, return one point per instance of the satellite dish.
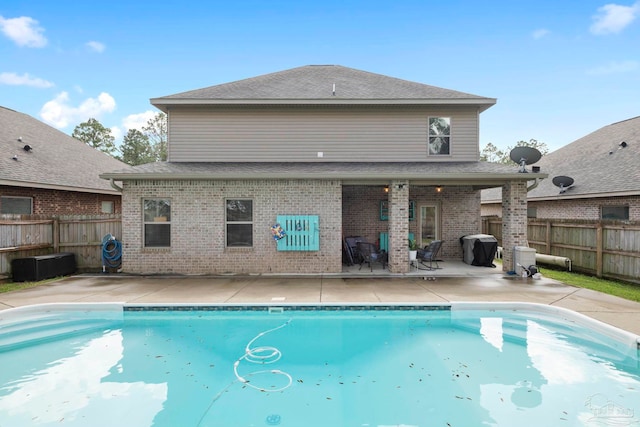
(524, 156)
(564, 182)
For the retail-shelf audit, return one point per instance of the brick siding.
(58, 202)
(459, 213)
(198, 227)
(585, 209)
(514, 224)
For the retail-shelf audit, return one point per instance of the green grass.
(620, 289)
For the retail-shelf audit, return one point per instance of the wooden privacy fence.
(603, 248)
(29, 235)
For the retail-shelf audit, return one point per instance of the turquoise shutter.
(302, 233)
(384, 241)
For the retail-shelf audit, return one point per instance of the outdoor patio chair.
(429, 254)
(350, 248)
(370, 254)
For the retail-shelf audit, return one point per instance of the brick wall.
(584, 208)
(398, 226)
(57, 202)
(459, 213)
(588, 209)
(198, 227)
(514, 220)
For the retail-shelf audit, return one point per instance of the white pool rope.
(263, 355)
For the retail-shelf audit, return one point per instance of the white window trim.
(429, 135)
(165, 222)
(227, 222)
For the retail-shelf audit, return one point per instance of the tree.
(540, 146)
(491, 153)
(136, 148)
(156, 132)
(95, 135)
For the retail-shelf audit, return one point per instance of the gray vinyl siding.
(299, 134)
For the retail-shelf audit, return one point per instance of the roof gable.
(324, 84)
(56, 160)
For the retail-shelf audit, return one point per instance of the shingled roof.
(478, 174)
(55, 160)
(323, 84)
(604, 163)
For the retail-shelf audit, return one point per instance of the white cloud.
(14, 79)
(117, 133)
(615, 68)
(132, 121)
(24, 31)
(59, 113)
(138, 121)
(540, 33)
(613, 18)
(96, 46)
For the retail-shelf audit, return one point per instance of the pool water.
(332, 367)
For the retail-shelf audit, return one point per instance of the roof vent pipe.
(334, 89)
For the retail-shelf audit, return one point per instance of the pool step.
(14, 334)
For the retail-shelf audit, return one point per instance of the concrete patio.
(421, 287)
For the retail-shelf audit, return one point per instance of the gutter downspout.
(115, 186)
(529, 188)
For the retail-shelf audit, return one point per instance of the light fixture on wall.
(386, 188)
(438, 189)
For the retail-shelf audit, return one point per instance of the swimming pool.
(460, 364)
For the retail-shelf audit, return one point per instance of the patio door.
(429, 223)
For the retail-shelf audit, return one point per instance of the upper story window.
(439, 136)
(16, 205)
(239, 222)
(157, 223)
(615, 212)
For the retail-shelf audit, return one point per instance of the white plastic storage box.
(523, 257)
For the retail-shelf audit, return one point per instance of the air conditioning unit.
(523, 257)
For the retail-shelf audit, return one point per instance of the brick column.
(398, 226)
(514, 220)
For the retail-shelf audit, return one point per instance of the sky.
(559, 69)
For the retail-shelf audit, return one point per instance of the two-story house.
(325, 152)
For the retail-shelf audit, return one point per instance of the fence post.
(56, 234)
(599, 249)
(548, 237)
